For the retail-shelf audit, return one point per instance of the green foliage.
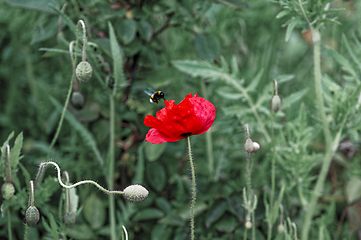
(228, 52)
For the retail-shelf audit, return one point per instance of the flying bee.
(155, 96)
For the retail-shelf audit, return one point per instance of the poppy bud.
(84, 71)
(32, 216)
(281, 228)
(248, 145)
(135, 193)
(276, 103)
(70, 219)
(248, 225)
(7, 190)
(77, 100)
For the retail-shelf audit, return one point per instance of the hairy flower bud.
(256, 146)
(32, 216)
(84, 71)
(276, 103)
(70, 219)
(7, 190)
(135, 193)
(77, 100)
(281, 228)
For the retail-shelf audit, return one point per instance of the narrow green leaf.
(284, 78)
(67, 20)
(16, 150)
(207, 46)
(351, 52)
(254, 83)
(38, 5)
(345, 64)
(234, 66)
(139, 173)
(196, 68)
(119, 79)
(294, 97)
(54, 227)
(353, 190)
(235, 3)
(84, 133)
(282, 13)
(161, 231)
(291, 24)
(226, 93)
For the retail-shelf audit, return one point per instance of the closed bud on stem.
(77, 100)
(70, 219)
(256, 146)
(135, 193)
(7, 190)
(281, 228)
(84, 71)
(276, 103)
(32, 216)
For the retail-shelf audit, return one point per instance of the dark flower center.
(186, 134)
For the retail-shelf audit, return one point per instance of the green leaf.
(145, 29)
(235, 3)
(207, 46)
(67, 20)
(126, 28)
(156, 176)
(119, 78)
(184, 212)
(215, 212)
(148, 214)
(161, 231)
(255, 81)
(351, 52)
(291, 24)
(294, 97)
(15, 151)
(81, 232)
(94, 211)
(154, 151)
(196, 68)
(345, 64)
(226, 224)
(284, 78)
(54, 227)
(172, 220)
(84, 133)
(282, 13)
(227, 93)
(353, 189)
(38, 5)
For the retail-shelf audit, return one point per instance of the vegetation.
(284, 77)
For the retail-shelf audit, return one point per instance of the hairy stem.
(193, 186)
(9, 225)
(111, 168)
(316, 37)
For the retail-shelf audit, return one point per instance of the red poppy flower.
(192, 116)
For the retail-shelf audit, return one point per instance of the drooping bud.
(70, 219)
(84, 71)
(276, 101)
(32, 216)
(135, 193)
(77, 100)
(7, 190)
(248, 145)
(281, 228)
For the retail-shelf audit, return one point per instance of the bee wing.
(149, 93)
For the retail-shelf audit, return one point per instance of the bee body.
(155, 97)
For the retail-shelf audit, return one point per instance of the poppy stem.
(193, 203)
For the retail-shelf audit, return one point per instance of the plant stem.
(111, 168)
(316, 37)
(273, 181)
(9, 225)
(193, 186)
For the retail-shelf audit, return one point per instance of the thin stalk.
(9, 225)
(273, 181)
(111, 169)
(327, 134)
(193, 186)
